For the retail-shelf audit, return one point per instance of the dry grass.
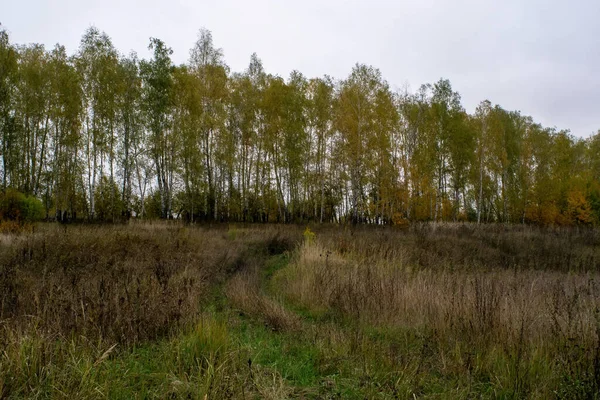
(539, 321)
(74, 297)
(162, 310)
(470, 246)
(122, 284)
(492, 303)
(246, 295)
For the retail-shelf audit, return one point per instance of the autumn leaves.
(102, 135)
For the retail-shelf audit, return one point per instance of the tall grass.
(73, 297)
(535, 326)
(162, 310)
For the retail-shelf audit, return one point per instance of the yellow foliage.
(532, 213)
(309, 236)
(549, 213)
(400, 221)
(563, 219)
(545, 214)
(421, 208)
(578, 208)
(447, 210)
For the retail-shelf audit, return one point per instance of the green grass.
(291, 356)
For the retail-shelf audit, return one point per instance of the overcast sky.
(541, 57)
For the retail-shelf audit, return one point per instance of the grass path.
(253, 339)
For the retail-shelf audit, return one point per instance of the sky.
(540, 57)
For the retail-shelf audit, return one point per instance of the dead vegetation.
(456, 311)
(473, 307)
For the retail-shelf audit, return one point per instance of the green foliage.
(108, 200)
(15, 206)
(153, 206)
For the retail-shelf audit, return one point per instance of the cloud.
(539, 57)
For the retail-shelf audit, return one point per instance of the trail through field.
(154, 311)
(291, 343)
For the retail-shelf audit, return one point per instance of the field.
(164, 310)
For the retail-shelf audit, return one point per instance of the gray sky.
(541, 57)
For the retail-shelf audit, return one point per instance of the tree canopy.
(102, 135)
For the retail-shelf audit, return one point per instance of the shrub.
(15, 206)
(152, 206)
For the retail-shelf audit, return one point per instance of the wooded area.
(101, 135)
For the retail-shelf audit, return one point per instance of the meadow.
(166, 310)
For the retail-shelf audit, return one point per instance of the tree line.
(102, 136)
